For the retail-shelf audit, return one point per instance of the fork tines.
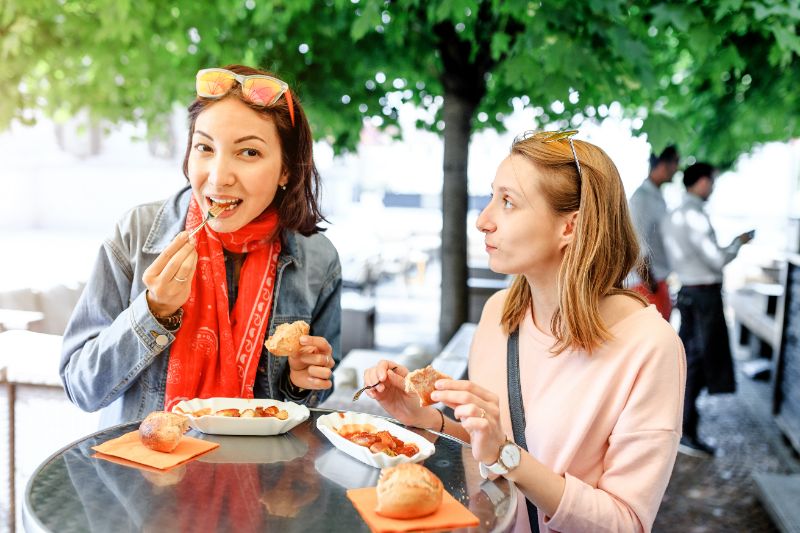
(215, 210)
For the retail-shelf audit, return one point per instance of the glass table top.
(291, 482)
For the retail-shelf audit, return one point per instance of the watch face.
(510, 455)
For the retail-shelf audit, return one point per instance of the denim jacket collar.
(171, 220)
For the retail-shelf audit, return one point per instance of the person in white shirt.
(648, 210)
(697, 260)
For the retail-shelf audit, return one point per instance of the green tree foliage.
(715, 76)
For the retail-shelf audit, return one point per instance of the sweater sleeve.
(641, 451)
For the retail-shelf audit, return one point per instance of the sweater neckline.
(544, 339)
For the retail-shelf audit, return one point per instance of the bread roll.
(408, 491)
(286, 339)
(162, 431)
(421, 382)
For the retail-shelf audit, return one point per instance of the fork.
(213, 212)
(360, 391)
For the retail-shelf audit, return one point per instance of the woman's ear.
(569, 225)
(284, 179)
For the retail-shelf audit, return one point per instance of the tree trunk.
(458, 113)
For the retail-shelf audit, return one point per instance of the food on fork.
(421, 382)
(162, 431)
(286, 339)
(377, 441)
(408, 491)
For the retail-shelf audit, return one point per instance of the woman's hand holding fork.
(169, 278)
(390, 392)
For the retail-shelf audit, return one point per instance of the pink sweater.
(609, 422)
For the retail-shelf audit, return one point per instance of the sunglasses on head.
(257, 89)
(553, 136)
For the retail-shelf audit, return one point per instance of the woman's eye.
(251, 152)
(507, 203)
(202, 147)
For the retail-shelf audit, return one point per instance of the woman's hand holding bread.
(392, 395)
(310, 358)
(478, 410)
(406, 396)
(312, 367)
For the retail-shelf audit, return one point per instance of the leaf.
(677, 16)
(499, 46)
(724, 7)
(366, 22)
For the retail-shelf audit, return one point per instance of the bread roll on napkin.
(162, 431)
(408, 490)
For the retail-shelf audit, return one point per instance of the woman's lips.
(229, 204)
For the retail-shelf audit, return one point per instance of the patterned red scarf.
(215, 354)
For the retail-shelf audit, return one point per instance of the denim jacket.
(115, 353)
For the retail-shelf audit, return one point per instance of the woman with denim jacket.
(167, 316)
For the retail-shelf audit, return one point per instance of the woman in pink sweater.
(592, 377)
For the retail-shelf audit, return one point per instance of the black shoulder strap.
(518, 412)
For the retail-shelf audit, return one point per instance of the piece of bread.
(162, 431)
(421, 382)
(408, 490)
(286, 339)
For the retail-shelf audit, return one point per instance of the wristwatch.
(508, 460)
(171, 322)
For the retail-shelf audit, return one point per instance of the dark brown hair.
(298, 205)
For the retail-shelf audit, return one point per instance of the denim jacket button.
(162, 340)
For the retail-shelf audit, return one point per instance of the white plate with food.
(374, 441)
(242, 416)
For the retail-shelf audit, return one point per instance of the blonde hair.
(603, 250)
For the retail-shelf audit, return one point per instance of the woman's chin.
(224, 226)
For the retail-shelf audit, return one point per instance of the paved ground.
(710, 495)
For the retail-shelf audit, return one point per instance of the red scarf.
(215, 354)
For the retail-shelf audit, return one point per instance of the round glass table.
(291, 482)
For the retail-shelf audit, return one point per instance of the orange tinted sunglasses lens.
(262, 91)
(213, 83)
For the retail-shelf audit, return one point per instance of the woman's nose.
(484, 223)
(222, 173)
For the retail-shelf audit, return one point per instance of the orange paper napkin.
(450, 515)
(132, 452)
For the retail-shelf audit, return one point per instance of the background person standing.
(648, 210)
(692, 248)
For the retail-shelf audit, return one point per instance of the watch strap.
(171, 322)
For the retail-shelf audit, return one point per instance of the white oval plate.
(228, 425)
(330, 423)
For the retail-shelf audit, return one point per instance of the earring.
(283, 187)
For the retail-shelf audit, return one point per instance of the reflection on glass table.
(291, 482)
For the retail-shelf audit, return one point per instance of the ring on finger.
(483, 412)
(179, 280)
